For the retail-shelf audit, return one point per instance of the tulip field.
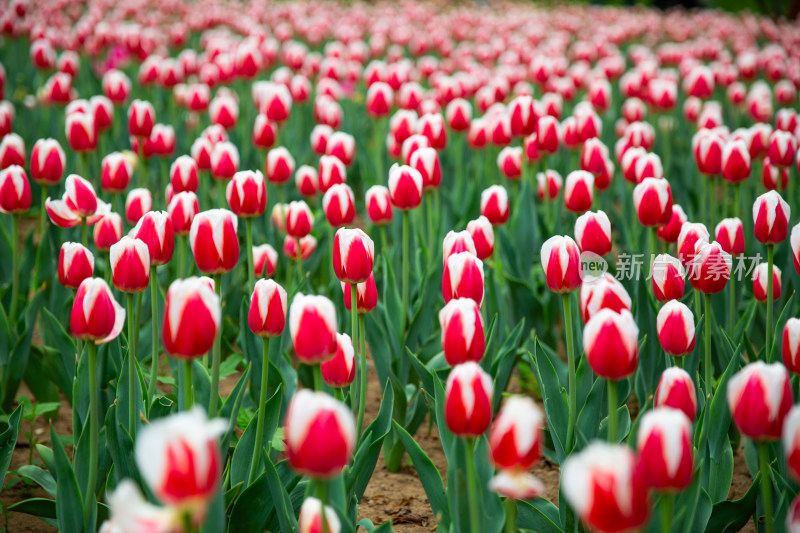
(398, 266)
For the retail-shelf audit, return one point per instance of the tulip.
(735, 162)
(675, 325)
(760, 282)
(468, 401)
(137, 204)
(311, 518)
(482, 234)
(729, 233)
(605, 488)
(668, 278)
(131, 512)
(265, 133)
(378, 205)
(342, 146)
(666, 454)
(183, 175)
(214, 242)
(676, 390)
(340, 371)
(116, 86)
(593, 232)
(79, 196)
(366, 296)
(773, 177)
(265, 260)
(223, 110)
(107, 231)
(201, 153)
(463, 278)
(561, 263)
(494, 205)
(791, 345)
(594, 157)
(456, 243)
(458, 114)
(794, 241)
(604, 292)
(116, 173)
(75, 264)
(791, 442)
(12, 151)
(312, 324)
(782, 148)
(319, 138)
(547, 134)
(515, 440)
(353, 253)
(405, 187)
(462, 331)
(141, 118)
(307, 180)
(578, 191)
(331, 172)
(129, 260)
(279, 165)
(319, 434)
(426, 161)
(192, 319)
(47, 162)
(299, 249)
(15, 191)
(690, 235)
(224, 161)
(339, 205)
(180, 460)
(671, 230)
(379, 99)
(509, 161)
(431, 125)
(515, 485)
(652, 199)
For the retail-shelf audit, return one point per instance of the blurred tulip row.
(226, 227)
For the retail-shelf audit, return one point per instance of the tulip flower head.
(312, 324)
(96, 316)
(668, 278)
(759, 397)
(214, 243)
(593, 232)
(463, 277)
(15, 191)
(515, 440)
(75, 264)
(710, 268)
(771, 215)
(676, 389)
(468, 400)
(561, 263)
(666, 453)
(405, 187)
(340, 370)
(310, 519)
(130, 265)
(462, 331)
(192, 318)
(48, 162)
(267, 315)
(675, 325)
(611, 342)
(379, 205)
(604, 292)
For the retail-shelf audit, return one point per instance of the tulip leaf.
(554, 398)
(6, 341)
(68, 495)
(503, 364)
(776, 334)
(693, 506)
(18, 360)
(428, 475)
(56, 337)
(721, 473)
(8, 439)
(391, 296)
(730, 516)
(358, 475)
(232, 407)
(43, 508)
(243, 454)
(41, 477)
(588, 425)
(539, 515)
(120, 447)
(426, 377)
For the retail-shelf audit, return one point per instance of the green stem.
(731, 305)
(94, 415)
(262, 402)
(404, 307)
(84, 233)
(511, 515)
(188, 395)
(131, 372)
(472, 485)
(612, 410)
(429, 221)
(770, 331)
(213, 398)
(322, 494)
(362, 403)
(667, 506)
(248, 226)
(181, 256)
(14, 269)
(362, 357)
(319, 384)
(151, 388)
(766, 485)
(573, 393)
(707, 363)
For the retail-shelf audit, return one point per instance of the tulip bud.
(247, 193)
(735, 162)
(405, 187)
(547, 134)
(515, 440)
(462, 331)
(668, 278)
(299, 249)
(611, 342)
(675, 324)
(340, 370)
(280, 165)
(180, 460)
(463, 278)
(509, 161)
(478, 134)
(676, 390)
(192, 318)
(339, 205)
(81, 132)
(482, 234)
(96, 316)
(319, 138)
(561, 262)
(426, 161)
(79, 196)
(604, 292)
(468, 400)
(310, 519)
(791, 345)
(198, 96)
(223, 110)
(707, 148)
(107, 231)
(129, 259)
(201, 152)
(265, 257)
(116, 173)
(299, 219)
(353, 253)
(141, 118)
(457, 242)
(431, 125)
(594, 156)
(307, 180)
(652, 199)
(773, 177)
(759, 397)
(312, 323)
(137, 203)
(548, 185)
(578, 191)
(710, 268)
(155, 229)
(771, 216)
(15, 191)
(666, 454)
(116, 86)
(760, 282)
(224, 160)
(75, 264)
(379, 99)
(331, 172)
(782, 148)
(593, 232)
(47, 162)
(214, 243)
(691, 234)
(494, 205)
(267, 316)
(672, 229)
(730, 236)
(181, 211)
(342, 146)
(459, 114)
(183, 175)
(130, 511)
(605, 488)
(379, 205)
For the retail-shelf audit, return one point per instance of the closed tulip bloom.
(141, 118)
(116, 86)
(494, 205)
(773, 177)
(458, 114)
(669, 277)
(522, 116)
(628, 163)
(75, 264)
(648, 165)
(760, 282)
(462, 331)
(468, 400)
(214, 242)
(137, 203)
(670, 231)
(130, 512)
(652, 199)
(794, 241)
(192, 318)
(343, 146)
(299, 219)
(116, 172)
(561, 263)
(412, 144)
(179, 458)
(267, 315)
(759, 397)
(782, 148)
(379, 205)
(201, 152)
(579, 191)
(463, 278)
(312, 324)
(771, 216)
(155, 229)
(319, 434)
(79, 196)
(302, 248)
(130, 265)
(181, 211)
(666, 453)
(548, 185)
(482, 234)
(307, 180)
(265, 260)
(515, 440)
(107, 231)
(47, 162)
(431, 125)
(707, 148)
(379, 99)
(319, 138)
(310, 519)
(611, 342)
(676, 390)
(457, 242)
(353, 253)
(339, 205)
(604, 292)
(735, 161)
(15, 191)
(276, 102)
(340, 370)
(224, 160)
(223, 110)
(594, 156)
(605, 487)
(547, 134)
(183, 174)
(675, 324)
(247, 193)
(691, 234)
(402, 125)
(593, 232)
(426, 161)
(791, 345)
(366, 295)
(477, 134)
(280, 165)
(405, 187)
(331, 172)
(161, 140)
(509, 161)
(96, 316)
(264, 132)
(710, 268)
(729, 233)
(81, 132)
